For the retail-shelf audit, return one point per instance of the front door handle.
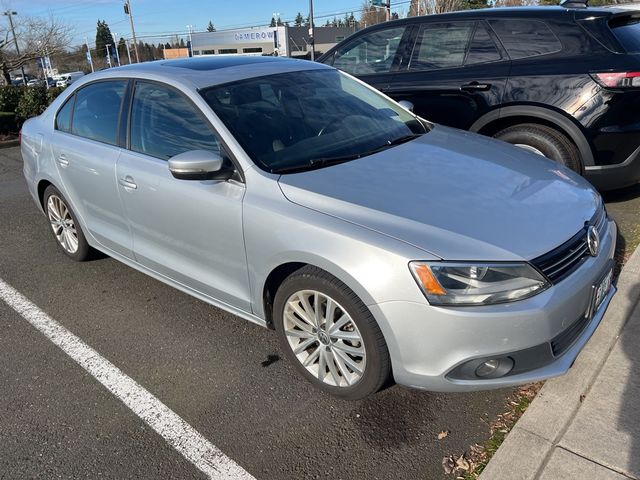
(127, 182)
(62, 160)
(475, 87)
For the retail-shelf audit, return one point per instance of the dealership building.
(283, 41)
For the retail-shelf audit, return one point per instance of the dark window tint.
(441, 45)
(525, 38)
(224, 51)
(63, 120)
(483, 49)
(96, 111)
(164, 123)
(370, 53)
(627, 31)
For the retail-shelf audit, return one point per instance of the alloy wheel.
(62, 224)
(324, 338)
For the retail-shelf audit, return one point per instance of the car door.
(455, 73)
(189, 231)
(373, 56)
(85, 149)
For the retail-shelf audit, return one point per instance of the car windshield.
(302, 120)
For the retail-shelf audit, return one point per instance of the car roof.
(200, 72)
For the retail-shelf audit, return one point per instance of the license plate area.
(601, 290)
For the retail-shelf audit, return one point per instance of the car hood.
(454, 194)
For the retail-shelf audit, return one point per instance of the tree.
(476, 4)
(371, 15)
(210, 27)
(273, 22)
(122, 50)
(279, 23)
(299, 20)
(182, 45)
(430, 7)
(103, 38)
(35, 36)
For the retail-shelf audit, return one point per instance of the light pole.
(190, 28)
(127, 10)
(86, 41)
(311, 39)
(9, 14)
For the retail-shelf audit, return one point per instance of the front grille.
(565, 339)
(564, 260)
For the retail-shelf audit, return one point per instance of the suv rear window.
(526, 38)
(627, 31)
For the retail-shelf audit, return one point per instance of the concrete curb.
(527, 448)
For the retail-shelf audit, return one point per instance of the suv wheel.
(544, 141)
(330, 335)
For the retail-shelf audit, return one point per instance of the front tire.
(544, 141)
(329, 335)
(65, 226)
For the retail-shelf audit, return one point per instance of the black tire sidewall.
(83, 247)
(377, 365)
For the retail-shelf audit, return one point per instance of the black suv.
(560, 81)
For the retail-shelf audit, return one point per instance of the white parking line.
(178, 433)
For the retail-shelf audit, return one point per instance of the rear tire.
(543, 140)
(340, 349)
(64, 224)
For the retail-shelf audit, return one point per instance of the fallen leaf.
(443, 434)
(448, 464)
(462, 463)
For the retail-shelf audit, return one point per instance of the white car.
(66, 79)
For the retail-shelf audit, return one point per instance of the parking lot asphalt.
(221, 374)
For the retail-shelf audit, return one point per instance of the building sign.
(253, 36)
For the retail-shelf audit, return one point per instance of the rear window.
(526, 38)
(627, 31)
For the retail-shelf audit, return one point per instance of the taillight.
(618, 79)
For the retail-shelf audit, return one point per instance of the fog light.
(494, 368)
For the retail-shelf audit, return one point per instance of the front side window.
(370, 53)
(97, 111)
(308, 119)
(525, 38)
(441, 45)
(164, 123)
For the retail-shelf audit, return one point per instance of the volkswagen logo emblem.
(593, 241)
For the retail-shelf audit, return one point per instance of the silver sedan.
(377, 244)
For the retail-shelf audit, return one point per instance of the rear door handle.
(62, 160)
(475, 87)
(127, 182)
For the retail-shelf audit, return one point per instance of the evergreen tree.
(299, 20)
(103, 38)
(210, 27)
(279, 23)
(122, 51)
(273, 22)
(182, 45)
(476, 4)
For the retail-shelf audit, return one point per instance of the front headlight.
(465, 284)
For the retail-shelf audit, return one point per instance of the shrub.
(10, 97)
(33, 102)
(8, 123)
(53, 93)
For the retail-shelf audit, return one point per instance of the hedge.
(18, 103)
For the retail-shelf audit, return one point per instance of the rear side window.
(164, 123)
(482, 49)
(63, 119)
(97, 110)
(526, 38)
(441, 45)
(370, 53)
(627, 31)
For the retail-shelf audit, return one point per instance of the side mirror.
(406, 104)
(199, 165)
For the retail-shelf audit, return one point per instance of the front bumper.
(428, 343)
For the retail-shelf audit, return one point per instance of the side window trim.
(127, 115)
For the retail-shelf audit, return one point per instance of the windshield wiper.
(328, 161)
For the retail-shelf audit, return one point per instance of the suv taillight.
(618, 79)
